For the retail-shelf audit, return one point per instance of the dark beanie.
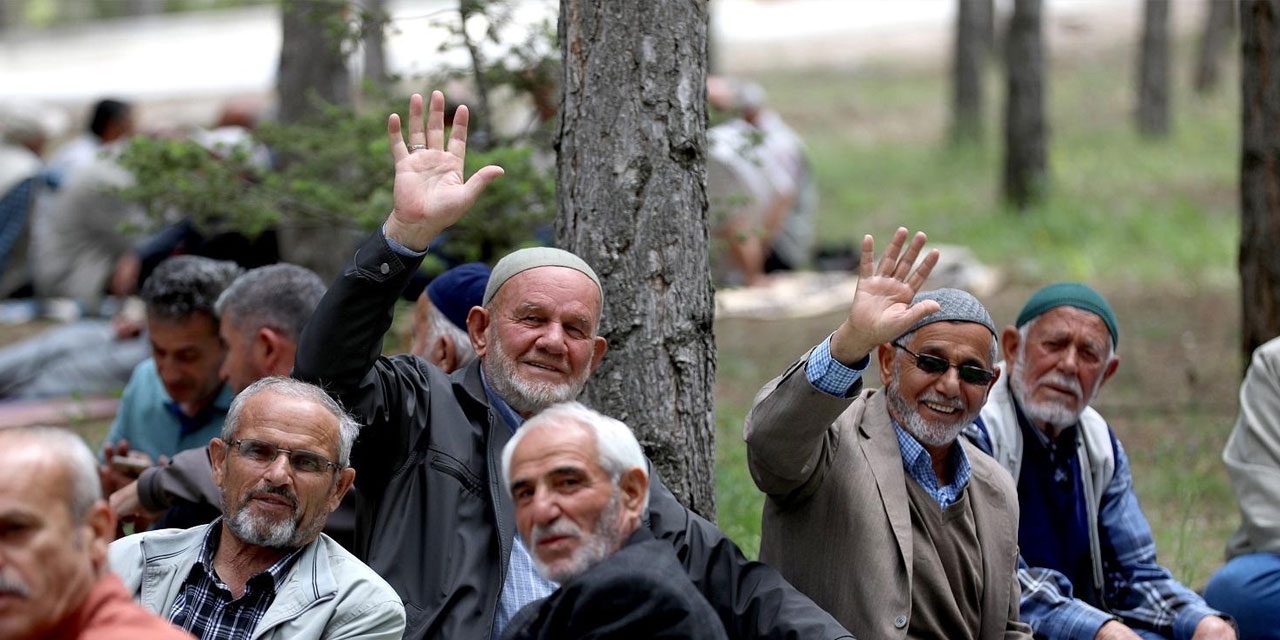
(455, 291)
(1070, 294)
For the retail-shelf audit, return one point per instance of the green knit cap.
(1070, 294)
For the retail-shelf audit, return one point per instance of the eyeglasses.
(265, 453)
(934, 365)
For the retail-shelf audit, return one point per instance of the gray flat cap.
(957, 306)
(532, 258)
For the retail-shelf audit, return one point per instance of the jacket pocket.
(448, 465)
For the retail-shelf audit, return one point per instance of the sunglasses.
(265, 453)
(933, 365)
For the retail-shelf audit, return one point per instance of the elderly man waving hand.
(874, 508)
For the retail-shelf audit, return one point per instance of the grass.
(1153, 224)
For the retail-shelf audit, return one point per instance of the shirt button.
(385, 268)
(900, 622)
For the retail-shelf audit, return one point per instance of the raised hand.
(882, 309)
(430, 194)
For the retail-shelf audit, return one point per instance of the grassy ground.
(1153, 224)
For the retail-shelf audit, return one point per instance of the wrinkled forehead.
(563, 285)
(1071, 320)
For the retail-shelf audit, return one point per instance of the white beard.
(525, 396)
(1048, 412)
(592, 547)
(927, 432)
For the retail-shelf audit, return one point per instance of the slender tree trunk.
(987, 24)
(1025, 166)
(1259, 174)
(1220, 21)
(466, 8)
(1153, 71)
(375, 60)
(311, 67)
(632, 202)
(968, 56)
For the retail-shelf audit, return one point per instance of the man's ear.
(99, 529)
(345, 478)
(599, 345)
(477, 326)
(1111, 369)
(1010, 338)
(884, 356)
(634, 484)
(218, 457)
(444, 353)
(271, 350)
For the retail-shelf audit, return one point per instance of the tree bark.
(375, 59)
(1220, 20)
(1025, 166)
(1259, 174)
(969, 54)
(1153, 71)
(311, 67)
(631, 191)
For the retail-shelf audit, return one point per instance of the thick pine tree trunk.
(311, 66)
(1025, 165)
(967, 60)
(1259, 174)
(1220, 20)
(632, 202)
(1153, 71)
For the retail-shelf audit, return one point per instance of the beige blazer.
(837, 520)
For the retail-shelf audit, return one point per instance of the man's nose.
(278, 470)
(552, 339)
(948, 383)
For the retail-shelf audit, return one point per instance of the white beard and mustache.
(284, 533)
(592, 547)
(1049, 412)
(926, 432)
(523, 395)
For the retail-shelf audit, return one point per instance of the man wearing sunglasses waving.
(1092, 561)
(264, 570)
(875, 508)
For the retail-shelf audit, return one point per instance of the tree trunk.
(1220, 20)
(1259, 174)
(375, 60)
(311, 67)
(969, 54)
(1024, 125)
(1153, 71)
(631, 190)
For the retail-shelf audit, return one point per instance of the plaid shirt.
(205, 606)
(833, 377)
(1138, 591)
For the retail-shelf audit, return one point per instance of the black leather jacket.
(434, 520)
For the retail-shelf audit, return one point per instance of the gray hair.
(617, 450)
(279, 296)
(438, 323)
(83, 486)
(348, 428)
(182, 286)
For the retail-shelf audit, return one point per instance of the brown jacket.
(837, 522)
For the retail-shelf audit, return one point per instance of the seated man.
(580, 487)
(54, 530)
(1248, 587)
(260, 316)
(874, 508)
(175, 400)
(1092, 570)
(440, 317)
(264, 570)
(262, 313)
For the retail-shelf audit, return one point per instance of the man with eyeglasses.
(876, 509)
(264, 570)
(1091, 569)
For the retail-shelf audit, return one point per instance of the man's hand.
(429, 192)
(126, 505)
(112, 475)
(882, 308)
(1213, 628)
(1115, 630)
